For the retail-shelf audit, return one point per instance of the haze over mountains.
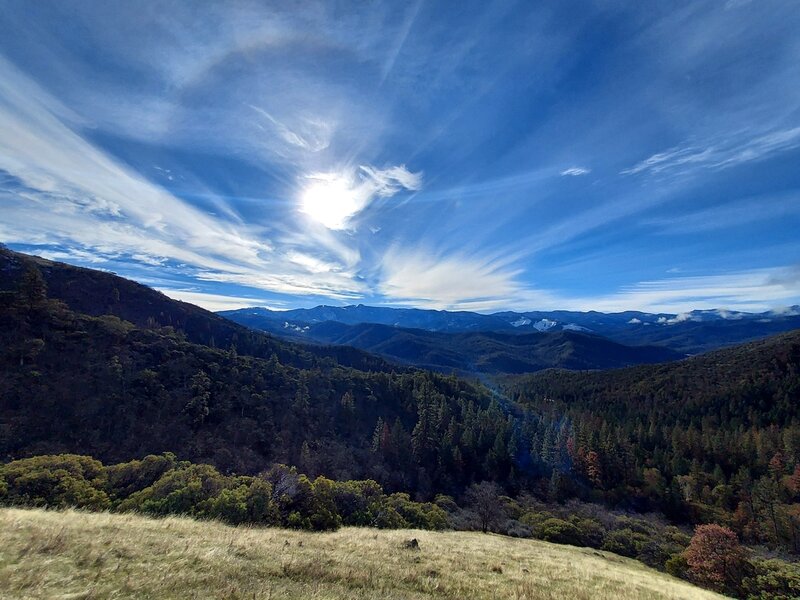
(517, 342)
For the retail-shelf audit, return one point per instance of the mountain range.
(514, 342)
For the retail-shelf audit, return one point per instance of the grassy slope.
(79, 555)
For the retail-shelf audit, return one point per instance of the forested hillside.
(96, 293)
(103, 386)
(715, 438)
(711, 439)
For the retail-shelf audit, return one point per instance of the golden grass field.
(74, 555)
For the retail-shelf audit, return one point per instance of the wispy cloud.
(69, 192)
(424, 278)
(757, 289)
(722, 154)
(743, 212)
(311, 135)
(576, 171)
(216, 302)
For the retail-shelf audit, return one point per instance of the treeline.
(713, 439)
(102, 386)
(281, 496)
(162, 485)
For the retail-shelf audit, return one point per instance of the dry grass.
(73, 555)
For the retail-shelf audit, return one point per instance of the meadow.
(75, 555)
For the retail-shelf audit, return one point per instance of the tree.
(594, 469)
(32, 291)
(197, 406)
(715, 558)
(484, 499)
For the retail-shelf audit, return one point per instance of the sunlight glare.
(330, 200)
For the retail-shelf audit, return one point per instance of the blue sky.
(463, 155)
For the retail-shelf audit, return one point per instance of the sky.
(453, 155)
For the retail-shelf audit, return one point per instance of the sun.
(329, 200)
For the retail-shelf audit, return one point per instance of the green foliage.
(559, 531)
(625, 542)
(161, 485)
(126, 478)
(185, 490)
(418, 515)
(773, 580)
(55, 480)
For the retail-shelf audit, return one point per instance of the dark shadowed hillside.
(92, 292)
(487, 352)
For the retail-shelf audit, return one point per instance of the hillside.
(73, 554)
(754, 384)
(96, 293)
(485, 352)
(103, 386)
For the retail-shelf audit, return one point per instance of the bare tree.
(484, 500)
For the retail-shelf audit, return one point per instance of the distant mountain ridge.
(688, 333)
(487, 352)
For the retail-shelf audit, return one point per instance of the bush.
(773, 580)
(186, 490)
(559, 532)
(625, 542)
(516, 529)
(56, 481)
(590, 532)
(677, 566)
(127, 478)
(422, 515)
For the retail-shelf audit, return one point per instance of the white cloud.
(753, 290)
(215, 302)
(310, 134)
(576, 171)
(421, 278)
(720, 153)
(73, 195)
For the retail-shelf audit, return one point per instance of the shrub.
(590, 532)
(230, 505)
(773, 580)
(676, 566)
(559, 532)
(56, 481)
(127, 478)
(625, 542)
(422, 515)
(184, 490)
(446, 503)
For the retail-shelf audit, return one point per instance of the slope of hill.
(73, 554)
(485, 352)
(689, 333)
(70, 382)
(754, 384)
(95, 293)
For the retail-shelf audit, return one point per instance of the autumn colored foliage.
(715, 558)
